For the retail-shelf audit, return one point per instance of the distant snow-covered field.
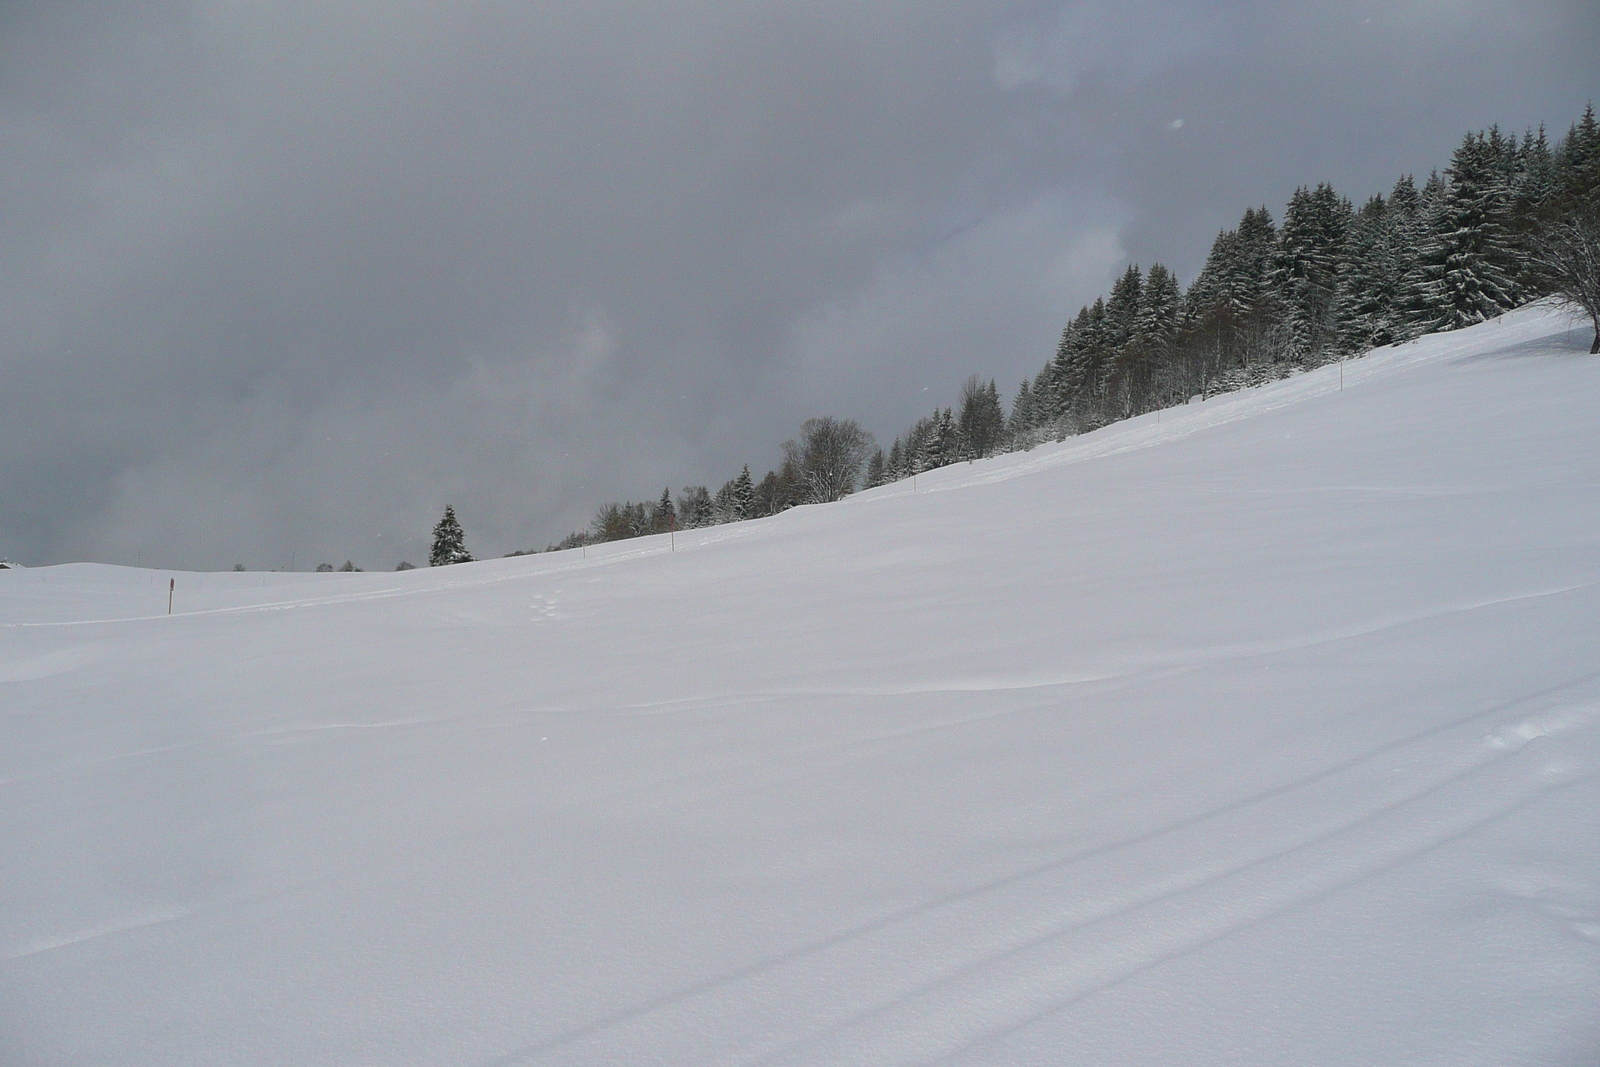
(1263, 732)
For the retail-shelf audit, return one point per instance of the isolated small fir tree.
(449, 541)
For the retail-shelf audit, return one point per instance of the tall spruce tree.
(449, 541)
(1305, 269)
(1021, 422)
(982, 420)
(1534, 187)
(744, 494)
(894, 466)
(1231, 306)
(1469, 264)
(664, 516)
(875, 470)
(1078, 371)
(1149, 353)
(1578, 162)
(1371, 277)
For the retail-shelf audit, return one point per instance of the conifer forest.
(1511, 219)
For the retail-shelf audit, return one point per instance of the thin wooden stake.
(172, 584)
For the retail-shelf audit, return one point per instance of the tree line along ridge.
(1510, 220)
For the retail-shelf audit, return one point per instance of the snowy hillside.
(1263, 732)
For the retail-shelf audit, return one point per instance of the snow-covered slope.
(1265, 732)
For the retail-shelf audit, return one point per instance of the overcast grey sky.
(279, 279)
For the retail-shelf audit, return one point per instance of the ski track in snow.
(1050, 955)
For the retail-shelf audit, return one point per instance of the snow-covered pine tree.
(875, 468)
(1078, 373)
(1578, 162)
(1230, 304)
(1408, 226)
(948, 435)
(1534, 188)
(449, 541)
(1368, 283)
(744, 494)
(771, 497)
(932, 442)
(1468, 267)
(1304, 271)
(929, 445)
(1122, 308)
(894, 465)
(1121, 364)
(1419, 298)
(722, 506)
(911, 449)
(779, 490)
(982, 420)
(641, 518)
(695, 508)
(1149, 353)
(1021, 423)
(1051, 400)
(664, 516)
(1536, 180)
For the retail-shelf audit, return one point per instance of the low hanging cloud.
(989, 297)
(1123, 45)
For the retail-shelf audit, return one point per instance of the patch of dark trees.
(1509, 221)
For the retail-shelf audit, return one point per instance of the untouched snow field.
(1265, 733)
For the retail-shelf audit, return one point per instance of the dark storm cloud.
(283, 278)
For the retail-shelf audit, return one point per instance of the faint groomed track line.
(1114, 682)
(886, 922)
(1267, 915)
(1164, 947)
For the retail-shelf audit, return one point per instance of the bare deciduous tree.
(1568, 256)
(828, 458)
